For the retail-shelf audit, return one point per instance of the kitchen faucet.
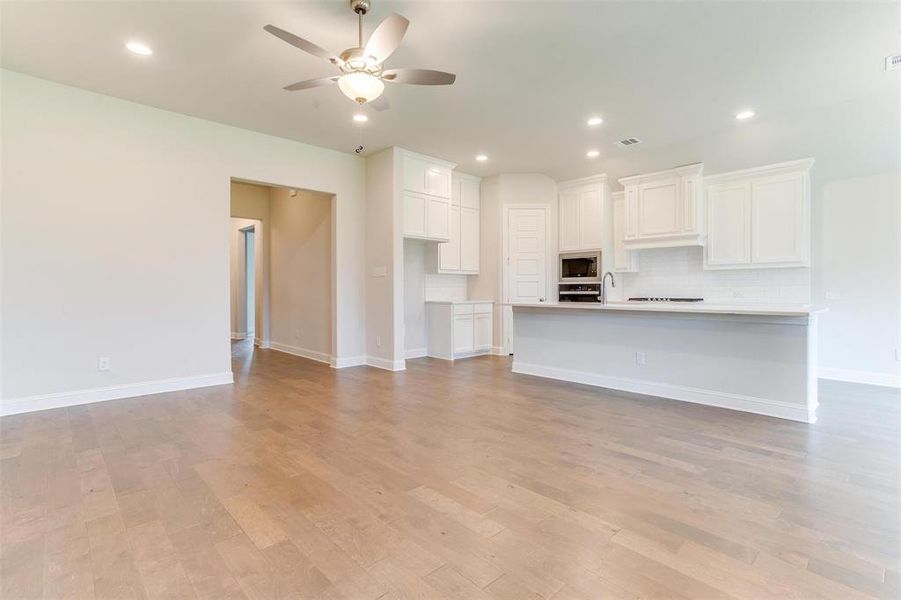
(604, 286)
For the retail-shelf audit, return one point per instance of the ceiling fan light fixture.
(361, 87)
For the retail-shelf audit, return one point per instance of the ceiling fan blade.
(310, 83)
(419, 76)
(386, 37)
(299, 42)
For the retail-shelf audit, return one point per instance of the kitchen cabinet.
(759, 218)
(624, 260)
(460, 254)
(457, 329)
(663, 209)
(581, 213)
(426, 197)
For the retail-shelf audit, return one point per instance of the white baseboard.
(342, 362)
(752, 404)
(498, 350)
(239, 335)
(384, 363)
(113, 392)
(416, 353)
(302, 352)
(868, 377)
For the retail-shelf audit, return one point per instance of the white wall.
(300, 273)
(84, 276)
(857, 255)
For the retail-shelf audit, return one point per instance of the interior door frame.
(506, 310)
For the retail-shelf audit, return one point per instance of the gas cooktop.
(665, 299)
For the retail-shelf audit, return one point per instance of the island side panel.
(750, 363)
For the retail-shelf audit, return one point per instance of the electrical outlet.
(641, 358)
(378, 341)
(103, 363)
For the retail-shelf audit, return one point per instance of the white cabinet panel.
(414, 174)
(438, 181)
(463, 333)
(438, 218)
(482, 332)
(469, 240)
(569, 220)
(728, 234)
(590, 218)
(631, 216)
(624, 260)
(449, 252)
(469, 194)
(658, 209)
(414, 218)
(777, 220)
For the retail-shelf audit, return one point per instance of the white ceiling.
(529, 74)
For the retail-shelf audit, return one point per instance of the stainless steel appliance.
(579, 292)
(665, 299)
(580, 267)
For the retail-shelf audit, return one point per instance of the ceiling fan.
(362, 68)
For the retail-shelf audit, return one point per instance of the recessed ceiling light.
(360, 118)
(595, 121)
(481, 157)
(139, 48)
(745, 114)
(592, 154)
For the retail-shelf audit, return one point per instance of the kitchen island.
(753, 358)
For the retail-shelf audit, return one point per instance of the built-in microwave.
(580, 266)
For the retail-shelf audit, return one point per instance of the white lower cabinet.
(458, 329)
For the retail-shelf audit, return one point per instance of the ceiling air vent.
(628, 142)
(893, 62)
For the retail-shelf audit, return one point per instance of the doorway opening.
(250, 279)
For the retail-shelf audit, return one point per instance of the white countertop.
(459, 301)
(773, 310)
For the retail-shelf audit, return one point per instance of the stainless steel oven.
(580, 267)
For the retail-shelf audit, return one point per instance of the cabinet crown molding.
(462, 175)
(680, 171)
(791, 166)
(591, 179)
(440, 161)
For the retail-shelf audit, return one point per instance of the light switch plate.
(379, 271)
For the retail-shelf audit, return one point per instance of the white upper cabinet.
(460, 254)
(581, 213)
(663, 210)
(426, 197)
(759, 217)
(624, 260)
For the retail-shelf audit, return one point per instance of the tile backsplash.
(680, 272)
(445, 287)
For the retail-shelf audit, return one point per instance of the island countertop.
(766, 310)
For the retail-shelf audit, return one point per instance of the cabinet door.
(415, 174)
(631, 217)
(778, 217)
(623, 260)
(690, 204)
(469, 193)
(728, 224)
(456, 191)
(449, 252)
(659, 208)
(463, 333)
(482, 332)
(414, 214)
(469, 240)
(590, 218)
(438, 181)
(569, 221)
(438, 218)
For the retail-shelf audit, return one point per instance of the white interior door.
(525, 264)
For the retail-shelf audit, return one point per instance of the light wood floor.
(446, 481)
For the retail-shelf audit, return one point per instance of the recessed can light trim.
(593, 153)
(360, 118)
(139, 48)
(481, 157)
(744, 115)
(594, 121)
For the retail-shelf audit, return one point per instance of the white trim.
(302, 352)
(590, 180)
(498, 350)
(791, 166)
(343, 362)
(416, 353)
(384, 363)
(867, 377)
(113, 392)
(752, 404)
(239, 335)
